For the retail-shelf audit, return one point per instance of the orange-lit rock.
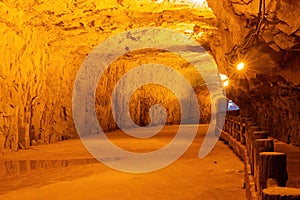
(43, 45)
(267, 40)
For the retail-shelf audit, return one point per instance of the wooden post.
(234, 133)
(239, 129)
(271, 165)
(250, 140)
(230, 126)
(260, 135)
(247, 119)
(238, 134)
(261, 145)
(226, 125)
(256, 135)
(247, 134)
(281, 193)
(243, 132)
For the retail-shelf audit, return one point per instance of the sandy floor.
(67, 171)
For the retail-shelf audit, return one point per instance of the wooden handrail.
(252, 145)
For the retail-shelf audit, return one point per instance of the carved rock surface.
(43, 44)
(265, 35)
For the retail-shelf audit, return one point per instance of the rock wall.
(262, 33)
(272, 102)
(43, 44)
(265, 35)
(150, 94)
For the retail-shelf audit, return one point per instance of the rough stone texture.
(150, 94)
(273, 103)
(43, 44)
(268, 41)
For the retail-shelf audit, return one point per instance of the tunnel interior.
(44, 45)
(254, 45)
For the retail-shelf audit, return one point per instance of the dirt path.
(67, 171)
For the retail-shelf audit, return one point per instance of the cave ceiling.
(43, 44)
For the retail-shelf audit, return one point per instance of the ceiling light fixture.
(226, 83)
(240, 66)
(223, 77)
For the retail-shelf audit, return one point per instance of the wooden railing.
(265, 170)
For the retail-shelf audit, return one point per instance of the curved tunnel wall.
(266, 36)
(43, 45)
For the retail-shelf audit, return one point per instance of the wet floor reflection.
(19, 167)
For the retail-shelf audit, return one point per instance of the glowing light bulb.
(240, 66)
(223, 77)
(226, 83)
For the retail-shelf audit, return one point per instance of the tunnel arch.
(232, 106)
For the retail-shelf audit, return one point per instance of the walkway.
(67, 171)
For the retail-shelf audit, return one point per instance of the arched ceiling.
(43, 44)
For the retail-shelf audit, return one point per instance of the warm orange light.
(240, 66)
(223, 77)
(199, 2)
(226, 83)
